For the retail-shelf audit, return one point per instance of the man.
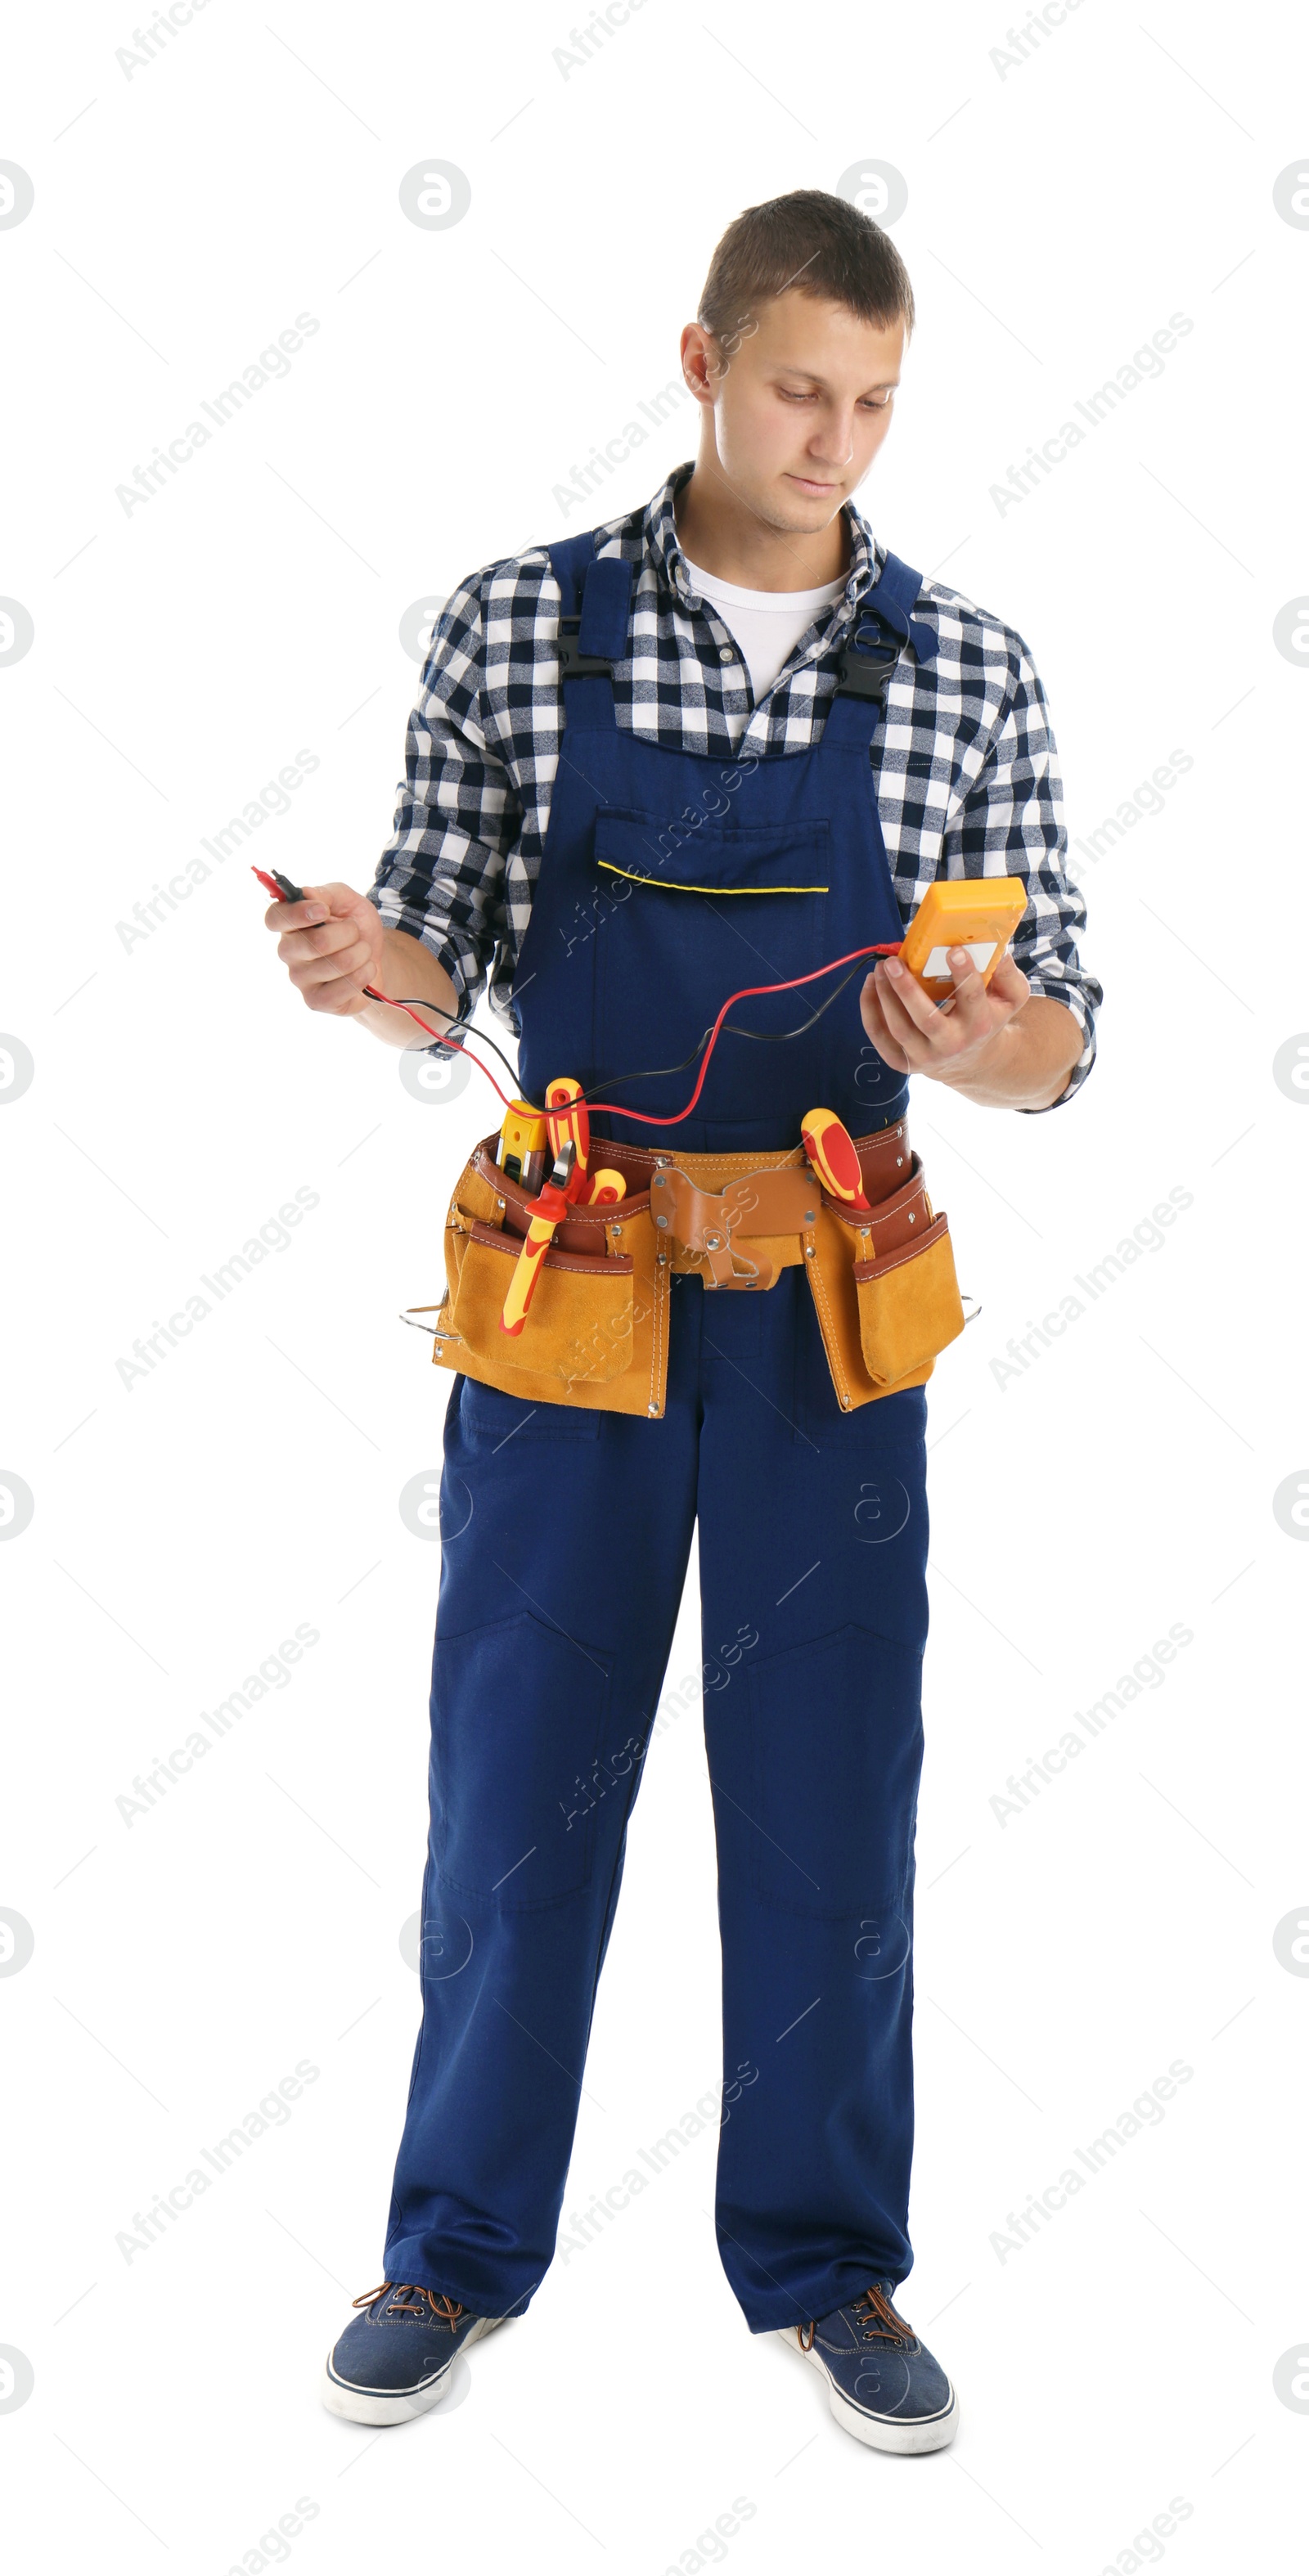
(713, 707)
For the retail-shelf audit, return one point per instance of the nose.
(832, 444)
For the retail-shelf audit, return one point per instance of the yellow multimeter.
(980, 914)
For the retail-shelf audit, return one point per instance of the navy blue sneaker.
(395, 2360)
(882, 2383)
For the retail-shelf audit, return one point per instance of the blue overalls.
(669, 880)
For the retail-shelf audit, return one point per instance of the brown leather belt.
(736, 1218)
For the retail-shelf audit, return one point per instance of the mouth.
(814, 484)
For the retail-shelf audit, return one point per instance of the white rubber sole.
(880, 2432)
(378, 2406)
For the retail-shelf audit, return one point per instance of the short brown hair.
(811, 242)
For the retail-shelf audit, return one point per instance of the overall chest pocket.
(693, 908)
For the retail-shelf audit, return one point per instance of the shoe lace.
(406, 2299)
(878, 2321)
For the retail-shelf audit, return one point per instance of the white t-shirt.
(767, 624)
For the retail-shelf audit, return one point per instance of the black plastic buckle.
(863, 674)
(575, 665)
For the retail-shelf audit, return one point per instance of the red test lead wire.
(615, 1108)
(284, 891)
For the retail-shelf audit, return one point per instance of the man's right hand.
(335, 942)
(331, 946)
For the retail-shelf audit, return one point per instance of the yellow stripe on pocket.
(679, 885)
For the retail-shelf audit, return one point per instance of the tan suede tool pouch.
(907, 1306)
(597, 1328)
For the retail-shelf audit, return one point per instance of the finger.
(336, 1001)
(910, 1012)
(969, 1006)
(904, 1034)
(330, 939)
(879, 1037)
(1009, 983)
(294, 916)
(351, 967)
(876, 1030)
(895, 980)
(334, 897)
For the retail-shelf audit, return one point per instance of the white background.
(1059, 210)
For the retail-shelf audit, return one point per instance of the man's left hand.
(953, 1040)
(997, 1043)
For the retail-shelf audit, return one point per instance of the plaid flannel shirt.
(965, 769)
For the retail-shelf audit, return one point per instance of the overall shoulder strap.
(606, 607)
(568, 562)
(597, 600)
(891, 599)
(882, 628)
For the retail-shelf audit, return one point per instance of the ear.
(702, 363)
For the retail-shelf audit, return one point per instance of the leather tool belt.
(882, 1277)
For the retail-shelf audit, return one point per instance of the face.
(801, 401)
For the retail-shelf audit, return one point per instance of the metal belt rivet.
(661, 1220)
(808, 1216)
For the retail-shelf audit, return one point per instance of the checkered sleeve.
(1011, 823)
(441, 876)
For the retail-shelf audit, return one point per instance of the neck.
(725, 535)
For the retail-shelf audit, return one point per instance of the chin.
(806, 515)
